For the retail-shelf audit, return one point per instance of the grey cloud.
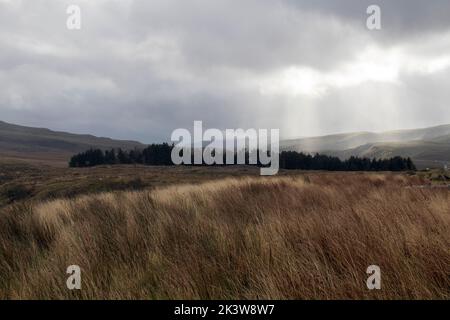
(139, 69)
(401, 19)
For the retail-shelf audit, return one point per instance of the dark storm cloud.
(139, 69)
(401, 18)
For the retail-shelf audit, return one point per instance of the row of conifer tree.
(160, 154)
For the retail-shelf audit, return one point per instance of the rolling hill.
(428, 147)
(352, 140)
(44, 145)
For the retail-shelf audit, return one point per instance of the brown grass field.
(219, 233)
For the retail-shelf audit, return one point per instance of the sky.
(141, 69)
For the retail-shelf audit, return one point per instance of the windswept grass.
(304, 237)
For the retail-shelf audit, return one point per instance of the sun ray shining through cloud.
(268, 65)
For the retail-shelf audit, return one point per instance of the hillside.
(424, 153)
(44, 145)
(428, 147)
(352, 140)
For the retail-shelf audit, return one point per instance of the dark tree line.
(155, 154)
(296, 160)
(160, 154)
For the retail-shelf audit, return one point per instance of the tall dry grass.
(306, 237)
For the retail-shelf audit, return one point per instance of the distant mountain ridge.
(21, 142)
(428, 147)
